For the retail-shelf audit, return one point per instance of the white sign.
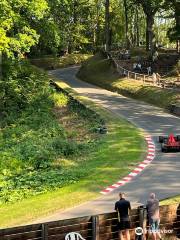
(74, 236)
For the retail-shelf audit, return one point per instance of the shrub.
(32, 141)
(21, 86)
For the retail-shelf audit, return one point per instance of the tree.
(126, 23)
(174, 32)
(150, 8)
(17, 34)
(107, 24)
(72, 18)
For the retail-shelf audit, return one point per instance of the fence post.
(144, 79)
(143, 219)
(128, 74)
(44, 231)
(95, 227)
(135, 76)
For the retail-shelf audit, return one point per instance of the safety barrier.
(99, 227)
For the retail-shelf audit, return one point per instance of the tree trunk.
(107, 24)
(137, 27)
(177, 18)
(149, 32)
(178, 46)
(71, 45)
(97, 41)
(126, 23)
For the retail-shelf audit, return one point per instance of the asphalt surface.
(162, 176)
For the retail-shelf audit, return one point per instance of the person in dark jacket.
(122, 207)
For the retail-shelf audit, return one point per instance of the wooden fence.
(100, 227)
(146, 79)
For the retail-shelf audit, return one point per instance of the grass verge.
(109, 161)
(50, 62)
(100, 71)
(170, 201)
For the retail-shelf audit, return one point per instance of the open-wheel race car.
(170, 143)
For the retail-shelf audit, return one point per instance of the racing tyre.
(163, 149)
(178, 137)
(161, 139)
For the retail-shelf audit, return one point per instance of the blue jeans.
(154, 225)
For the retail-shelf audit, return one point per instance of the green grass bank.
(50, 62)
(94, 160)
(100, 71)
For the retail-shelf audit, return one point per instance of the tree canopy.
(16, 24)
(48, 26)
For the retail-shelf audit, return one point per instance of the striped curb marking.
(149, 158)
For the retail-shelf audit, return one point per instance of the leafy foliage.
(22, 85)
(16, 18)
(32, 140)
(49, 62)
(17, 187)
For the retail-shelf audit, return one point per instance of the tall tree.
(174, 33)
(98, 22)
(16, 31)
(72, 18)
(150, 8)
(126, 23)
(107, 25)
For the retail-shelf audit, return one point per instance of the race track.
(162, 176)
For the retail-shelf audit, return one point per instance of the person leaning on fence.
(153, 216)
(122, 207)
(134, 66)
(139, 67)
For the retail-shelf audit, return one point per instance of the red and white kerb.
(149, 158)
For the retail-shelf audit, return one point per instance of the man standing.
(153, 215)
(122, 207)
(149, 70)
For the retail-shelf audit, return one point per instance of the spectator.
(153, 215)
(155, 56)
(122, 207)
(127, 55)
(149, 70)
(134, 66)
(139, 67)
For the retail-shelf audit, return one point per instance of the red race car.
(170, 143)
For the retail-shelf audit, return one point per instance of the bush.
(22, 85)
(33, 142)
(17, 187)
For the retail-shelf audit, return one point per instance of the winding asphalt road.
(162, 176)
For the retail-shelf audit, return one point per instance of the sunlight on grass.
(172, 200)
(49, 63)
(115, 156)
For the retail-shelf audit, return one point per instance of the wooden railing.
(100, 227)
(145, 79)
(129, 74)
